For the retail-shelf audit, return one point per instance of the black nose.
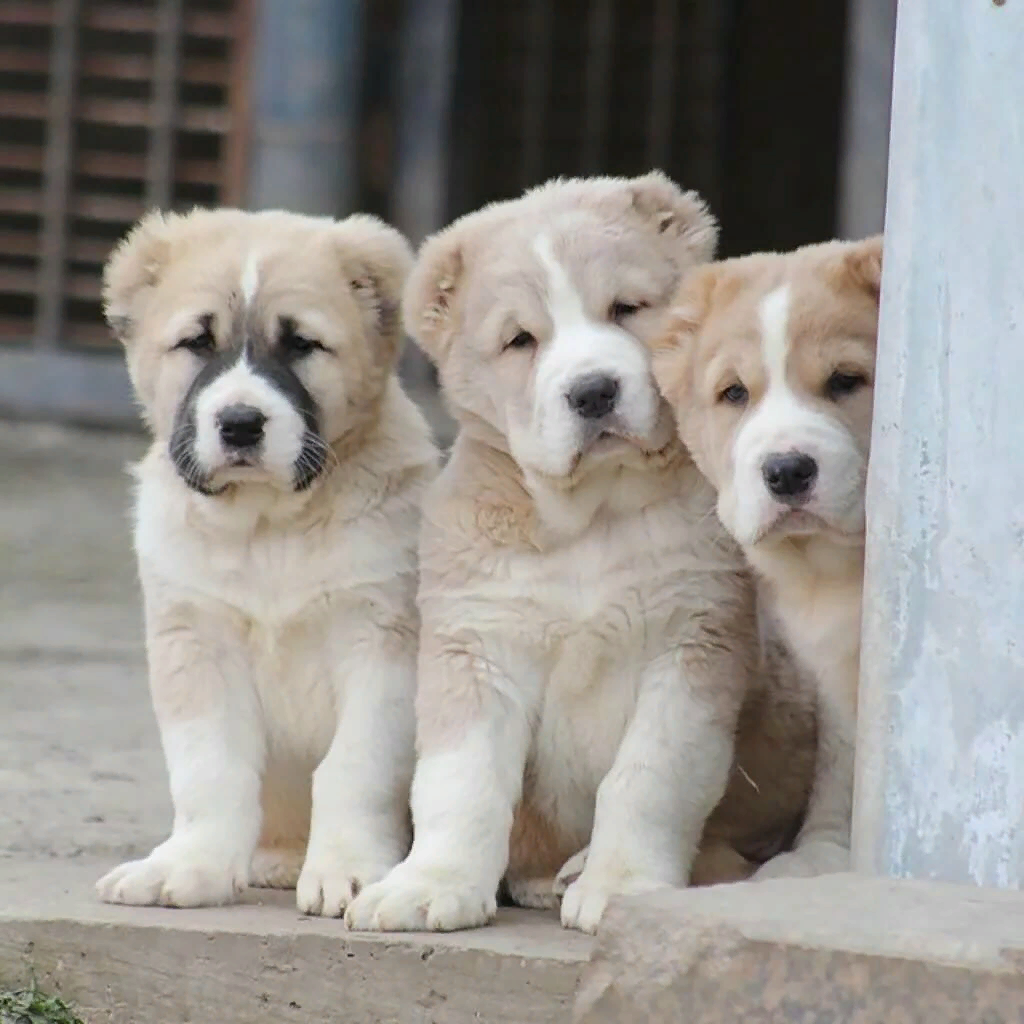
(789, 476)
(241, 426)
(593, 396)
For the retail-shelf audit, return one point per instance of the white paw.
(275, 867)
(811, 858)
(176, 877)
(584, 902)
(532, 893)
(331, 880)
(570, 871)
(422, 899)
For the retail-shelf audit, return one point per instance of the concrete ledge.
(263, 962)
(841, 949)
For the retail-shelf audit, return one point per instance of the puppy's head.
(535, 311)
(256, 341)
(768, 362)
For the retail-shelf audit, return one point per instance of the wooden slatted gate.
(106, 110)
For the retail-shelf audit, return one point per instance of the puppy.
(276, 523)
(588, 627)
(769, 364)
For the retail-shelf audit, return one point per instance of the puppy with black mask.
(276, 527)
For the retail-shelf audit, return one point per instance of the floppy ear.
(672, 348)
(430, 293)
(376, 259)
(132, 269)
(862, 264)
(677, 214)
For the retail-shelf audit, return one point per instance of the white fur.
(282, 433)
(818, 593)
(281, 633)
(784, 421)
(576, 654)
(250, 277)
(581, 655)
(819, 605)
(550, 439)
(214, 767)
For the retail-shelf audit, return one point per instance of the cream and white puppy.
(589, 630)
(769, 363)
(276, 526)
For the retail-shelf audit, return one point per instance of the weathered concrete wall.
(838, 948)
(940, 786)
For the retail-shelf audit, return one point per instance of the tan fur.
(714, 340)
(281, 623)
(550, 593)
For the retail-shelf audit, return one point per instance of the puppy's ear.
(675, 213)
(132, 269)
(376, 259)
(427, 306)
(862, 265)
(673, 347)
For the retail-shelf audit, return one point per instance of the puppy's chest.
(824, 628)
(622, 584)
(276, 577)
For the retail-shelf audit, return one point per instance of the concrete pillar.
(306, 76)
(940, 773)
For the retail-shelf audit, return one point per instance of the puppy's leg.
(360, 822)
(286, 806)
(823, 845)
(473, 732)
(717, 862)
(214, 747)
(669, 773)
(570, 871)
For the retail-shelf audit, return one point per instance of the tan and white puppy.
(588, 627)
(769, 364)
(276, 525)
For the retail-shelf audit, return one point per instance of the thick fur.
(279, 576)
(589, 630)
(769, 355)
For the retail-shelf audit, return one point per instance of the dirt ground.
(81, 772)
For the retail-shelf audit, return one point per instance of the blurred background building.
(417, 110)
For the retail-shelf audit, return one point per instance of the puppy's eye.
(619, 311)
(841, 384)
(524, 339)
(201, 344)
(296, 344)
(734, 394)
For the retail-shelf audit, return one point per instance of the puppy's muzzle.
(241, 426)
(789, 476)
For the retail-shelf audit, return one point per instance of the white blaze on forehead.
(564, 302)
(250, 276)
(773, 314)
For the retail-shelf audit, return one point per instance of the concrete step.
(840, 949)
(261, 962)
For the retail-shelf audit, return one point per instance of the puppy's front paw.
(570, 871)
(275, 867)
(532, 893)
(330, 881)
(816, 857)
(175, 876)
(584, 902)
(414, 899)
